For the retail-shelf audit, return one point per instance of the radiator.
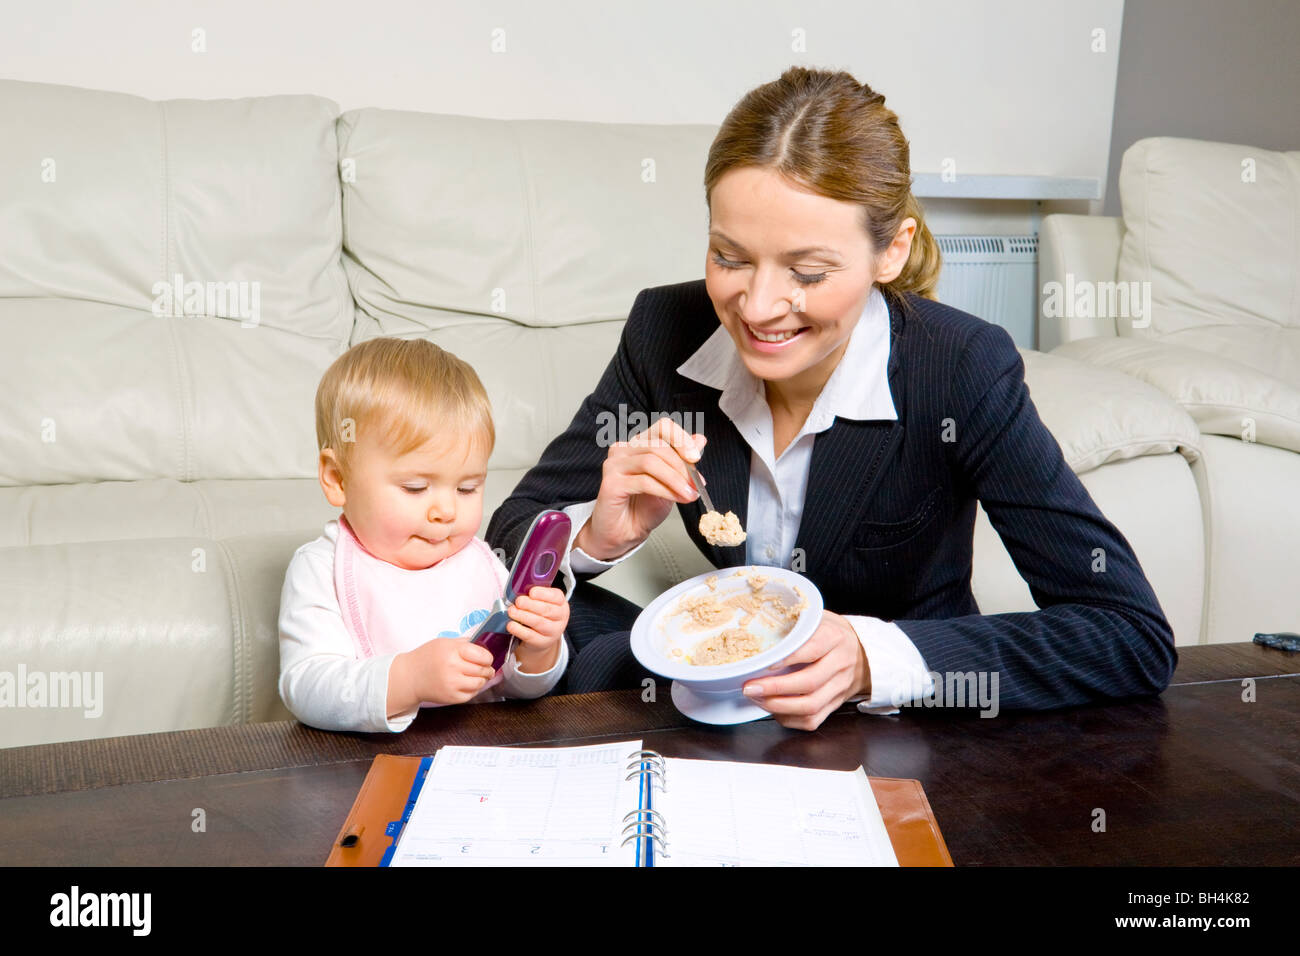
(995, 278)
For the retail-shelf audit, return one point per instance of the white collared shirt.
(777, 486)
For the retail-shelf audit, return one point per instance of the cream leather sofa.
(1212, 232)
(158, 459)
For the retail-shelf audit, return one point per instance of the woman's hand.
(641, 480)
(837, 670)
(538, 620)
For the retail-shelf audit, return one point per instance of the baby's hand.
(538, 621)
(443, 671)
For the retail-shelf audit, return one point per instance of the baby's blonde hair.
(409, 390)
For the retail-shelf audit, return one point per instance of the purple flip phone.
(538, 559)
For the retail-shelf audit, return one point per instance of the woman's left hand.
(837, 670)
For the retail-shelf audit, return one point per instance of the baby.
(373, 612)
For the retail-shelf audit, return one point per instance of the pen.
(353, 835)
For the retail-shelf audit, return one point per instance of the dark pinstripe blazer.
(889, 511)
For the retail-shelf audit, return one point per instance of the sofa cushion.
(507, 243)
(1213, 228)
(1223, 396)
(1098, 415)
(106, 199)
(454, 220)
(1266, 351)
(164, 508)
(146, 626)
(97, 392)
(536, 378)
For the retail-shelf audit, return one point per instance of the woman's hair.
(827, 133)
(409, 390)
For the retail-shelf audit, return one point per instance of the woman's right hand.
(641, 480)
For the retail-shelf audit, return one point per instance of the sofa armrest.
(1074, 249)
(1223, 396)
(1099, 415)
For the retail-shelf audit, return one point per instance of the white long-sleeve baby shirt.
(327, 681)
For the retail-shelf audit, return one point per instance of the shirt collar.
(857, 389)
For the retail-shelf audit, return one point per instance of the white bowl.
(711, 693)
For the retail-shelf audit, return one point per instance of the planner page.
(745, 814)
(508, 806)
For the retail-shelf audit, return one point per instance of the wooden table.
(1195, 776)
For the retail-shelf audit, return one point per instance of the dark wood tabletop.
(1207, 773)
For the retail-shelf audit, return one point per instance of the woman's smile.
(769, 342)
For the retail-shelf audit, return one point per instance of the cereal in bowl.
(703, 611)
(733, 644)
(738, 623)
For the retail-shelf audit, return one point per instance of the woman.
(852, 423)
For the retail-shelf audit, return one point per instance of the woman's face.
(411, 510)
(783, 260)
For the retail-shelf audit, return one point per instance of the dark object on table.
(1283, 640)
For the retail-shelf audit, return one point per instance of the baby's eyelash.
(799, 276)
(420, 491)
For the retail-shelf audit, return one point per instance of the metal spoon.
(698, 479)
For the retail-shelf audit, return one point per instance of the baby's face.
(414, 510)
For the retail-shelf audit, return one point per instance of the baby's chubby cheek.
(397, 533)
(394, 528)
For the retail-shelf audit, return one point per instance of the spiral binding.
(647, 824)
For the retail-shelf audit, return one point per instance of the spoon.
(698, 479)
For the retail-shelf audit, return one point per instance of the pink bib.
(391, 610)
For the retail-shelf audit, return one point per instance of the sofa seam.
(183, 406)
(162, 188)
(178, 460)
(1146, 217)
(239, 639)
(1207, 530)
(1241, 408)
(526, 181)
(351, 305)
(209, 528)
(1179, 441)
(182, 460)
(666, 555)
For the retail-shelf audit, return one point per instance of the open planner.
(619, 805)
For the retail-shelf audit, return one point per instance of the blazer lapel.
(847, 462)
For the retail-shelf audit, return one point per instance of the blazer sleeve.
(569, 471)
(1100, 632)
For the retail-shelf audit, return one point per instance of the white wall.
(1000, 86)
(1251, 96)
